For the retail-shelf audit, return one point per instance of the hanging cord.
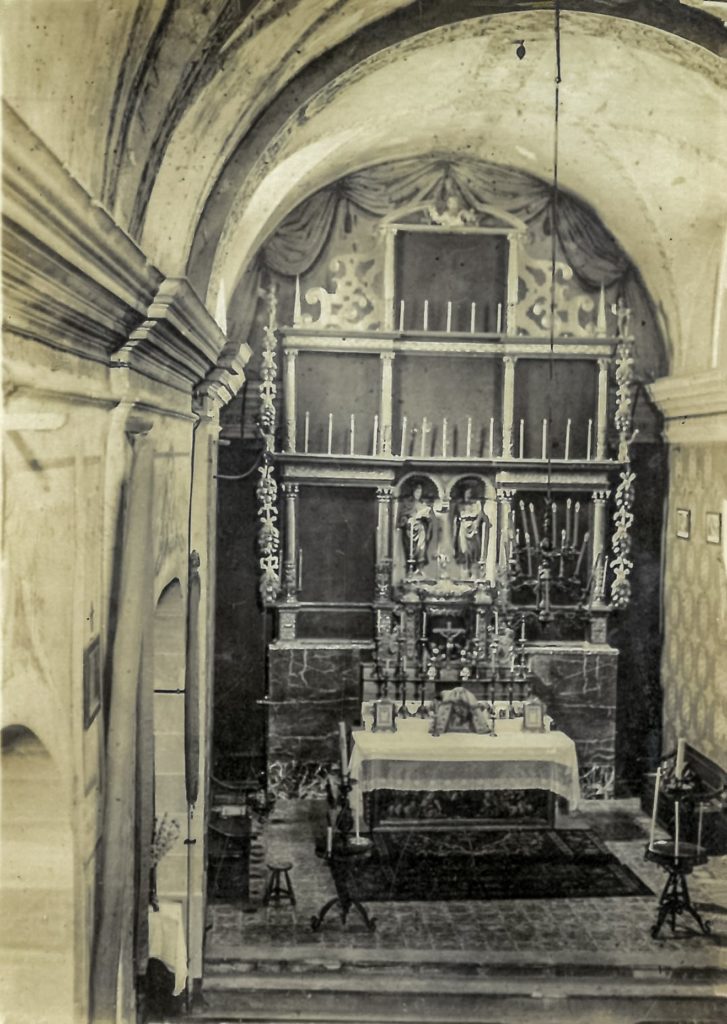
(553, 240)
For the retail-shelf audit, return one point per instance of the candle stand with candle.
(676, 856)
(343, 850)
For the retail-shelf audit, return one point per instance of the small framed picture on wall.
(713, 528)
(684, 517)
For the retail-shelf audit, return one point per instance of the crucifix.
(449, 633)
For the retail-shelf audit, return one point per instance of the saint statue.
(471, 530)
(415, 523)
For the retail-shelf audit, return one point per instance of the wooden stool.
(675, 898)
(279, 887)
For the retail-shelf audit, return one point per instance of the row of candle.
(473, 317)
(408, 437)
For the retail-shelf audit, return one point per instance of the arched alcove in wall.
(36, 883)
(169, 632)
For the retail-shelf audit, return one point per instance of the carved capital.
(384, 494)
(600, 497)
(291, 490)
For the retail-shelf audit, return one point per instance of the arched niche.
(36, 883)
(169, 644)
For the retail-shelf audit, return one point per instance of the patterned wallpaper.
(694, 658)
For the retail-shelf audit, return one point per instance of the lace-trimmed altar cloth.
(411, 759)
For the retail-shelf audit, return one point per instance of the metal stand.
(675, 897)
(344, 848)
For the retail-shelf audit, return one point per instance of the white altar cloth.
(167, 941)
(411, 759)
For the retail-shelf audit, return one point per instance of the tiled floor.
(594, 932)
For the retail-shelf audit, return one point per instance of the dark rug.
(619, 826)
(421, 865)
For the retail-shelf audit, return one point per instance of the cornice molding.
(694, 406)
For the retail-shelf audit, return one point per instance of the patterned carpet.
(463, 864)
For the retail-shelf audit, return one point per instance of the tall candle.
(401, 315)
(449, 317)
(329, 840)
(426, 314)
(469, 436)
(584, 545)
(534, 523)
(444, 436)
(522, 437)
(679, 766)
(492, 435)
(499, 317)
(562, 548)
(567, 440)
(344, 748)
(545, 438)
(403, 435)
(330, 432)
(375, 442)
(352, 432)
(588, 442)
(657, 783)
(473, 309)
(306, 433)
(554, 513)
(300, 568)
(529, 553)
(568, 506)
(522, 628)
(576, 513)
(355, 820)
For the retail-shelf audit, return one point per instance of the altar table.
(412, 759)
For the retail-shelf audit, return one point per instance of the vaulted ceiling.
(200, 123)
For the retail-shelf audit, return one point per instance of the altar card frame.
(384, 715)
(534, 716)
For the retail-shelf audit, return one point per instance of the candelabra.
(546, 562)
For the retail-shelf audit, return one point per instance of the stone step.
(383, 999)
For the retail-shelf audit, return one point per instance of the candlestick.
(568, 506)
(534, 522)
(426, 314)
(529, 553)
(469, 436)
(679, 765)
(330, 432)
(473, 309)
(444, 436)
(375, 442)
(584, 545)
(352, 431)
(449, 317)
(562, 549)
(344, 749)
(576, 513)
(424, 436)
(655, 808)
(403, 436)
(306, 432)
(492, 435)
(522, 437)
(588, 442)
(499, 317)
(401, 316)
(567, 440)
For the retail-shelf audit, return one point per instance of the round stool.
(279, 888)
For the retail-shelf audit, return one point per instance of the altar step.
(353, 987)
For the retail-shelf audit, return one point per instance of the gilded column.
(512, 285)
(598, 554)
(508, 405)
(289, 398)
(389, 278)
(290, 566)
(384, 497)
(602, 408)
